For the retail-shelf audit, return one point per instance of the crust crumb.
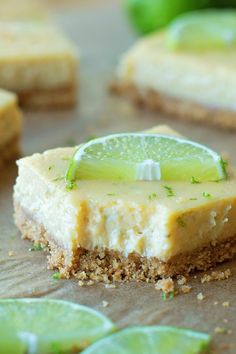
(110, 286)
(200, 296)
(167, 285)
(185, 289)
(90, 282)
(11, 253)
(105, 303)
(181, 280)
(225, 304)
(216, 275)
(222, 330)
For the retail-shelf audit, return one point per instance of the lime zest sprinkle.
(111, 194)
(169, 191)
(181, 221)
(70, 185)
(59, 178)
(192, 198)
(152, 196)
(37, 246)
(224, 164)
(194, 180)
(166, 296)
(56, 275)
(206, 195)
(50, 167)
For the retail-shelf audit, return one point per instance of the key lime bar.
(38, 63)
(118, 230)
(181, 74)
(10, 127)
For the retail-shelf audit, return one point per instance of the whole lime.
(150, 15)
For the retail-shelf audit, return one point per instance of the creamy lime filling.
(205, 78)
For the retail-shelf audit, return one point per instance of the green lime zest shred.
(194, 180)
(56, 275)
(206, 195)
(37, 246)
(166, 296)
(152, 196)
(169, 191)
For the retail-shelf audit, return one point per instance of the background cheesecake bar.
(38, 63)
(191, 85)
(106, 230)
(10, 127)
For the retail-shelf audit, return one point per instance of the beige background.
(102, 34)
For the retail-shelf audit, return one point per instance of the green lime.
(203, 30)
(152, 340)
(150, 15)
(48, 326)
(10, 343)
(143, 156)
(225, 3)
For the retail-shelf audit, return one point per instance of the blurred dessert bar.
(13, 10)
(10, 127)
(195, 85)
(38, 63)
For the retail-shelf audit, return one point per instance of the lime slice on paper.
(206, 29)
(152, 340)
(143, 156)
(47, 326)
(10, 343)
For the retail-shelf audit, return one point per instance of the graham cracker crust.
(56, 98)
(108, 266)
(180, 109)
(10, 151)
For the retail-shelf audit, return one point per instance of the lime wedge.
(203, 30)
(10, 343)
(143, 156)
(47, 326)
(152, 340)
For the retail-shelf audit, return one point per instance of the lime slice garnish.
(203, 30)
(143, 156)
(152, 340)
(46, 326)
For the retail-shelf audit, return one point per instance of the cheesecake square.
(119, 231)
(10, 127)
(191, 85)
(38, 63)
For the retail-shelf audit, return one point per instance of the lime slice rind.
(145, 156)
(152, 339)
(44, 324)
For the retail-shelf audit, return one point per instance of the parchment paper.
(102, 34)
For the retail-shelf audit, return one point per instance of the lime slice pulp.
(203, 30)
(45, 326)
(152, 340)
(143, 156)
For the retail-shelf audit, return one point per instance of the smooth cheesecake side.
(108, 230)
(38, 63)
(10, 127)
(197, 86)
